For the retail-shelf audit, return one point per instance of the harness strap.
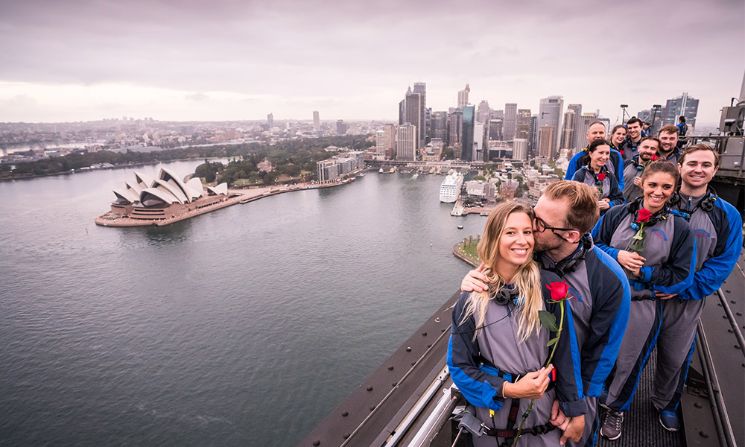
(510, 433)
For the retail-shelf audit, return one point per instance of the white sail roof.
(217, 190)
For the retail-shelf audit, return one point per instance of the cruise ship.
(450, 188)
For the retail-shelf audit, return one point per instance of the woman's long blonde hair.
(527, 279)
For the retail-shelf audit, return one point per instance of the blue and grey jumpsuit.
(614, 164)
(669, 251)
(609, 184)
(480, 366)
(716, 227)
(600, 309)
(632, 169)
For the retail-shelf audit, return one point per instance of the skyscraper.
(385, 140)
(341, 127)
(583, 123)
(496, 129)
(455, 124)
(421, 89)
(533, 136)
(683, 105)
(510, 120)
(483, 112)
(270, 120)
(406, 138)
(567, 131)
(439, 125)
(463, 97)
(467, 133)
(316, 120)
(579, 138)
(522, 128)
(546, 141)
(479, 145)
(410, 111)
(549, 115)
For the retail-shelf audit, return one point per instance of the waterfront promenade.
(177, 212)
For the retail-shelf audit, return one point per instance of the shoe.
(612, 424)
(669, 420)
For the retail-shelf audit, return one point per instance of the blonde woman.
(499, 350)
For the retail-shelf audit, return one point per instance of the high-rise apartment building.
(467, 133)
(341, 127)
(683, 105)
(316, 120)
(578, 138)
(385, 140)
(406, 140)
(270, 120)
(463, 97)
(510, 121)
(549, 115)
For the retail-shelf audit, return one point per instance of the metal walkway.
(400, 401)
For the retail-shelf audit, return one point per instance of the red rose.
(654, 157)
(601, 176)
(643, 215)
(559, 290)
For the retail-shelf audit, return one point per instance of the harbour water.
(245, 326)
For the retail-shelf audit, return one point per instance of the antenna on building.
(624, 114)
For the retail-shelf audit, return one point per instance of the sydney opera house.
(163, 200)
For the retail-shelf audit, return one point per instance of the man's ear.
(573, 236)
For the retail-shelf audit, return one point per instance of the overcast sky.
(216, 60)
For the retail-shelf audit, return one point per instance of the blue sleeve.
(676, 274)
(567, 361)
(619, 164)
(603, 231)
(572, 168)
(479, 388)
(611, 301)
(715, 270)
(615, 195)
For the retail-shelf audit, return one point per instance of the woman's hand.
(475, 280)
(631, 261)
(531, 386)
(603, 205)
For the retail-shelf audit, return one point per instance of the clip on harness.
(509, 433)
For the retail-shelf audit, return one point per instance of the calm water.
(245, 326)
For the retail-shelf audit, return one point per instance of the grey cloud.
(197, 97)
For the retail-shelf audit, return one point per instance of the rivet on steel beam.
(703, 434)
(369, 388)
(408, 349)
(316, 443)
(390, 368)
(345, 414)
(372, 407)
(424, 334)
(394, 384)
(346, 435)
(697, 405)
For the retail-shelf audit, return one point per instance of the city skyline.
(82, 61)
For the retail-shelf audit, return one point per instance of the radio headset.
(569, 264)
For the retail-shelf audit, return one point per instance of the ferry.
(450, 187)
